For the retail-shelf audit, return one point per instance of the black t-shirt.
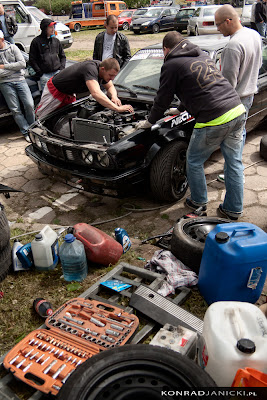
(73, 79)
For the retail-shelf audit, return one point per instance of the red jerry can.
(99, 247)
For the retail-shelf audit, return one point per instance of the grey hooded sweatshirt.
(14, 63)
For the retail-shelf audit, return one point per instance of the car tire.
(155, 28)
(132, 371)
(196, 31)
(5, 261)
(4, 229)
(188, 239)
(263, 147)
(125, 26)
(77, 27)
(168, 180)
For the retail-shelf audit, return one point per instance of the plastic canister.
(24, 255)
(99, 247)
(73, 259)
(250, 377)
(123, 238)
(234, 263)
(17, 265)
(45, 249)
(234, 336)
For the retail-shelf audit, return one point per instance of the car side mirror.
(29, 18)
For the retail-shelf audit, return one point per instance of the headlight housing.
(103, 159)
(87, 157)
(145, 23)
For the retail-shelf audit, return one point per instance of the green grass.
(79, 55)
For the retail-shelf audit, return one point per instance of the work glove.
(172, 111)
(145, 124)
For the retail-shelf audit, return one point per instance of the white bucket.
(234, 336)
(45, 249)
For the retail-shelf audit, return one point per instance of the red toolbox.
(75, 332)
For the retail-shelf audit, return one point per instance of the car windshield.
(208, 12)
(182, 13)
(38, 14)
(152, 13)
(125, 14)
(142, 72)
(140, 12)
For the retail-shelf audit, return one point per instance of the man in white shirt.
(241, 58)
(111, 43)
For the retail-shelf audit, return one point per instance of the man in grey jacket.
(8, 25)
(14, 86)
(241, 58)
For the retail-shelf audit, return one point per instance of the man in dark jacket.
(261, 17)
(8, 25)
(111, 43)
(190, 73)
(47, 56)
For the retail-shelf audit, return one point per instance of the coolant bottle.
(73, 259)
(45, 249)
(17, 265)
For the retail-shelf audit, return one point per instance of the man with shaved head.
(241, 58)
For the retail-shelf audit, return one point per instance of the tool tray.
(79, 329)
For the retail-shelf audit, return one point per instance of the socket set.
(75, 332)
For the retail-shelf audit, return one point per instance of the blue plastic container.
(73, 259)
(122, 237)
(24, 255)
(234, 263)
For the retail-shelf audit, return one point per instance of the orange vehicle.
(93, 13)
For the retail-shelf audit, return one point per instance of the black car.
(102, 149)
(155, 20)
(182, 17)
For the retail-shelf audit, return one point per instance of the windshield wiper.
(146, 87)
(125, 88)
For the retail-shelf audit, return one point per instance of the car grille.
(65, 32)
(136, 26)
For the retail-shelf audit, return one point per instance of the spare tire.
(134, 371)
(263, 147)
(4, 229)
(188, 239)
(5, 261)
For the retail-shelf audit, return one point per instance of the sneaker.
(27, 138)
(226, 214)
(220, 178)
(193, 206)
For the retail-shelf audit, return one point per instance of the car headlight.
(103, 159)
(58, 33)
(87, 157)
(38, 142)
(145, 23)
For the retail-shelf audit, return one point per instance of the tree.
(54, 7)
(137, 3)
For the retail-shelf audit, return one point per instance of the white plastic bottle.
(45, 249)
(234, 336)
(17, 266)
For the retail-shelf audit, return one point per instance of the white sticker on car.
(181, 118)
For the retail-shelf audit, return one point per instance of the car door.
(166, 19)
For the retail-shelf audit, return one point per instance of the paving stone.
(254, 140)
(255, 215)
(256, 183)
(9, 173)
(16, 182)
(248, 149)
(33, 173)
(213, 195)
(40, 213)
(37, 185)
(14, 152)
(250, 170)
(59, 187)
(18, 160)
(250, 197)
(262, 169)
(263, 198)
(3, 149)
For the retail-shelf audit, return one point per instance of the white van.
(28, 27)
(62, 31)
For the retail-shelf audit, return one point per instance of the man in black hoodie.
(190, 73)
(46, 54)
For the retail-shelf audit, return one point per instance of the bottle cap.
(221, 237)
(39, 236)
(246, 346)
(69, 238)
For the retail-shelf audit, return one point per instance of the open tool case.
(76, 331)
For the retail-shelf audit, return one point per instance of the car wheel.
(189, 33)
(125, 26)
(77, 27)
(263, 147)
(168, 180)
(155, 28)
(189, 236)
(133, 371)
(196, 31)
(5, 261)
(4, 229)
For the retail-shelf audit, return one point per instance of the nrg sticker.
(181, 118)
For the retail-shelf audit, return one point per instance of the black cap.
(221, 237)
(38, 236)
(45, 23)
(246, 346)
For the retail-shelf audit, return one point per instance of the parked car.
(101, 148)
(202, 22)
(125, 19)
(182, 17)
(246, 15)
(62, 31)
(155, 20)
(139, 12)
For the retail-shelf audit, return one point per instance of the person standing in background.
(8, 25)
(261, 17)
(252, 17)
(47, 56)
(111, 43)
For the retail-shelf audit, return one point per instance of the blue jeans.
(14, 92)
(247, 102)
(45, 77)
(261, 26)
(202, 144)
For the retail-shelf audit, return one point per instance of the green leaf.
(73, 286)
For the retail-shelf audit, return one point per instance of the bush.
(57, 6)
